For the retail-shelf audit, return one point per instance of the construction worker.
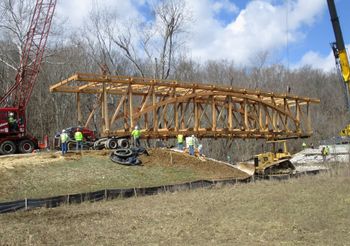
(64, 140)
(78, 136)
(191, 145)
(12, 122)
(325, 152)
(180, 141)
(304, 145)
(200, 149)
(136, 134)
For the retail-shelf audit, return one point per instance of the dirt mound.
(209, 168)
(12, 161)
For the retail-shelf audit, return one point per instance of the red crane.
(13, 127)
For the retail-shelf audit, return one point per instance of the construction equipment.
(341, 57)
(274, 162)
(13, 126)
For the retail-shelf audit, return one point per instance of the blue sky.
(239, 30)
(317, 37)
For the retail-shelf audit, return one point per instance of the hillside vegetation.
(306, 211)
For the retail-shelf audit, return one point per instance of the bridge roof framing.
(166, 107)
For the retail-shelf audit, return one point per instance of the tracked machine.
(273, 163)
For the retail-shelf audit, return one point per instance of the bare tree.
(172, 16)
(15, 17)
(149, 45)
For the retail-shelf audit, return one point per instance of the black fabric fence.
(109, 194)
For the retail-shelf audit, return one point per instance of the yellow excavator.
(341, 57)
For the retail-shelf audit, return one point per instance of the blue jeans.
(64, 148)
(137, 142)
(79, 144)
(180, 146)
(191, 149)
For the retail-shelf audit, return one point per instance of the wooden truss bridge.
(165, 108)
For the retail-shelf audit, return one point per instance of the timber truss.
(164, 108)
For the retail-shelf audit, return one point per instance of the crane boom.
(32, 53)
(13, 125)
(339, 47)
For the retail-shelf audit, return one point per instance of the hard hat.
(63, 130)
(11, 113)
(136, 127)
(193, 136)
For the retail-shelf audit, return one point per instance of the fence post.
(25, 203)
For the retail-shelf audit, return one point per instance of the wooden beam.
(79, 109)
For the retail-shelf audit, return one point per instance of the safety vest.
(78, 136)
(180, 138)
(136, 133)
(64, 137)
(11, 120)
(190, 141)
(325, 151)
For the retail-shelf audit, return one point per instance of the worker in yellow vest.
(64, 140)
(180, 141)
(12, 122)
(136, 134)
(78, 136)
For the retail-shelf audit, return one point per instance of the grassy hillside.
(47, 175)
(306, 211)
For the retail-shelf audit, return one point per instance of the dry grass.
(306, 211)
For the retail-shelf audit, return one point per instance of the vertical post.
(105, 102)
(103, 111)
(213, 113)
(196, 116)
(155, 115)
(260, 117)
(131, 107)
(274, 120)
(176, 115)
(297, 108)
(246, 123)
(182, 116)
(79, 109)
(230, 117)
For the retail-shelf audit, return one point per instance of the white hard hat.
(136, 127)
(11, 113)
(63, 130)
(193, 136)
